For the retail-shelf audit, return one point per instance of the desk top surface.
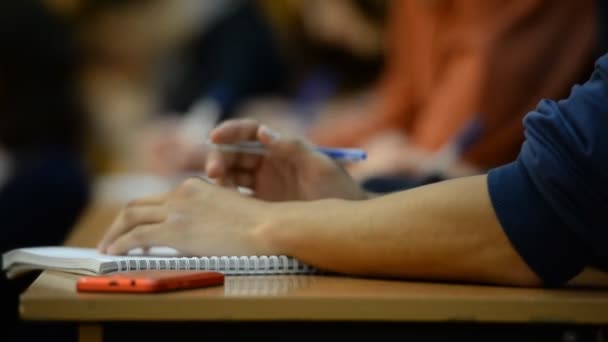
(289, 297)
(326, 298)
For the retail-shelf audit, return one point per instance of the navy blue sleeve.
(552, 202)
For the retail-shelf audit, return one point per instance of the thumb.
(267, 136)
(281, 146)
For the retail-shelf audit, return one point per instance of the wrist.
(291, 228)
(278, 226)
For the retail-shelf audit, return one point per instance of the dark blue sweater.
(552, 202)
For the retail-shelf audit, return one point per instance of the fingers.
(133, 215)
(241, 178)
(232, 131)
(240, 168)
(283, 147)
(141, 236)
(247, 161)
(220, 164)
(216, 164)
(266, 135)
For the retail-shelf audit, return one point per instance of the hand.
(390, 154)
(290, 170)
(197, 219)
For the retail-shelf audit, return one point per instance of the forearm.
(445, 231)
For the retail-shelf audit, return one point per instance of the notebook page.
(75, 258)
(73, 253)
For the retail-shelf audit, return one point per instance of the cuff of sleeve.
(536, 232)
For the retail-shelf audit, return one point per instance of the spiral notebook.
(88, 261)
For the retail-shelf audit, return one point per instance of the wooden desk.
(302, 300)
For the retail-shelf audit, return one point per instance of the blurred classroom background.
(157, 75)
(113, 99)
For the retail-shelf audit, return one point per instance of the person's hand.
(390, 154)
(196, 219)
(289, 171)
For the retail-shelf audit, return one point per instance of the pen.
(255, 147)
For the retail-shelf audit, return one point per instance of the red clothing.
(449, 60)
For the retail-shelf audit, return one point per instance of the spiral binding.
(274, 264)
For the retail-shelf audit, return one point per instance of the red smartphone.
(149, 281)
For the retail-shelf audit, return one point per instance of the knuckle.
(188, 187)
(132, 203)
(296, 145)
(250, 121)
(129, 216)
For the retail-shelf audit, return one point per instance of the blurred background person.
(231, 57)
(449, 96)
(156, 66)
(315, 52)
(43, 126)
(449, 62)
(334, 50)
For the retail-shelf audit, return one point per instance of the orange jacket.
(448, 60)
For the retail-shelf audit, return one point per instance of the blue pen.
(255, 147)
